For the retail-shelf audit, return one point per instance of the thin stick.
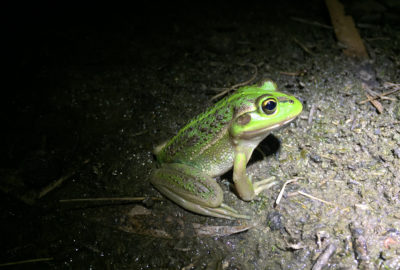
(54, 184)
(278, 199)
(60, 180)
(375, 103)
(296, 73)
(139, 133)
(324, 257)
(310, 116)
(27, 261)
(227, 90)
(315, 198)
(390, 84)
(128, 199)
(379, 96)
(314, 23)
(303, 46)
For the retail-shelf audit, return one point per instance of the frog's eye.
(269, 106)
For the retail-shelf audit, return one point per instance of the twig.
(391, 85)
(218, 231)
(303, 46)
(324, 257)
(139, 133)
(278, 199)
(377, 38)
(310, 116)
(26, 261)
(363, 206)
(375, 103)
(233, 87)
(389, 124)
(315, 198)
(127, 199)
(55, 184)
(380, 95)
(314, 23)
(296, 73)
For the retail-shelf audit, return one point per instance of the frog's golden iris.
(269, 106)
(222, 137)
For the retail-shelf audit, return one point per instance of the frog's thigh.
(187, 186)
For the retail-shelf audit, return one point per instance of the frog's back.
(204, 142)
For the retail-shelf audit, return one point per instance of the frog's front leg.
(243, 184)
(193, 190)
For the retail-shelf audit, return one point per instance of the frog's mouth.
(263, 132)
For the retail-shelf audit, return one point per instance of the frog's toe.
(264, 184)
(227, 207)
(228, 212)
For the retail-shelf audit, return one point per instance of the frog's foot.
(264, 184)
(223, 211)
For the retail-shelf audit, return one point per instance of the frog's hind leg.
(219, 212)
(193, 190)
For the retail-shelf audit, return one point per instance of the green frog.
(222, 137)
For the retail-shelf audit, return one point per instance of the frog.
(223, 137)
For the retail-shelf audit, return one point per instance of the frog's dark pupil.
(270, 105)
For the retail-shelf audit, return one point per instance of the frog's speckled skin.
(223, 136)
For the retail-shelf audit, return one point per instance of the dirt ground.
(92, 92)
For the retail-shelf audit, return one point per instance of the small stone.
(275, 221)
(316, 158)
(396, 152)
(351, 167)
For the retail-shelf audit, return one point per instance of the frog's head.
(261, 109)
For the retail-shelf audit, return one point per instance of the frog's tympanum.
(222, 137)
